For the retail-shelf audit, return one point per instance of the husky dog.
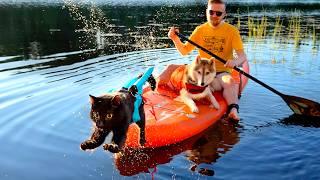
(195, 80)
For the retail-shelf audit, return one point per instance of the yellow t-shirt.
(220, 41)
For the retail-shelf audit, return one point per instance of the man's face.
(215, 13)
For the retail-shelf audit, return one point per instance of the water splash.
(91, 21)
(101, 32)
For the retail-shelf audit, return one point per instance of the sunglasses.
(218, 13)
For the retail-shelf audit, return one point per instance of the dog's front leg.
(214, 102)
(188, 101)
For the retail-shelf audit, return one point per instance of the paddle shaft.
(235, 68)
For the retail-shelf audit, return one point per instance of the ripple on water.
(45, 117)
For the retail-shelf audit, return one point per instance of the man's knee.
(227, 79)
(228, 82)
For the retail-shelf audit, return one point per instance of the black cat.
(113, 112)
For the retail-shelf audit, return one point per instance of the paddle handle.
(224, 61)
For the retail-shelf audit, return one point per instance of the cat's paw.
(142, 142)
(111, 147)
(83, 146)
(152, 81)
(105, 147)
(89, 144)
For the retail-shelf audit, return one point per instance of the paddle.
(298, 105)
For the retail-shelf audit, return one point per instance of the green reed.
(239, 20)
(286, 30)
(314, 35)
(257, 28)
(277, 27)
(295, 28)
(282, 30)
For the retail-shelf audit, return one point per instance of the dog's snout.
(202, 84)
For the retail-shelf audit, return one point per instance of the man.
(221, 39)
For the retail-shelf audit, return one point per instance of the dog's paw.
(216, 105)
(195, 109)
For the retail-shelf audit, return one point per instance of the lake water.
(53, 55)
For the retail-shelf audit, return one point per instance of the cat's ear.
(116, 100)
(93, 99)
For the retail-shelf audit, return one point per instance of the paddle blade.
(302, 106)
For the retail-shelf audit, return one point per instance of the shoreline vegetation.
(160, 2)
(102, 27)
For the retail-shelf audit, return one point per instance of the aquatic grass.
(262, 27)
(277, 28)
(276, 36)
(258, 31)
(295, 28)
(297, 31)
(315, 48)
(250, 27)
(257, 28)
(239, 20)
(314, 35)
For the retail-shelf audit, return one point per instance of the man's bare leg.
(230, 93)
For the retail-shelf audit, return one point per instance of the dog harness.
(176, 81)
(194, 89)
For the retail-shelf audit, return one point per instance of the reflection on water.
(301, 121)
(54, 55)
(218, 140)
(204, 148)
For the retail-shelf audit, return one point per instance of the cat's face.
(104, 110)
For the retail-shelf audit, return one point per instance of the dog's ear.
(92, 99)
(198, 59)
(116, 100)
(213, 62)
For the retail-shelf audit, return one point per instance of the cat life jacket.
(136, 85)
(176, 81)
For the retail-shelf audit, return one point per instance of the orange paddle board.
(169, 121)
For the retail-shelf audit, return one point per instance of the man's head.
(216, 11)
